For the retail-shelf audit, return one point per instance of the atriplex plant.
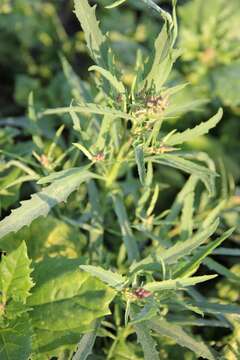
(124, 147)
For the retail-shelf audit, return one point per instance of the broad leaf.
(15, 280)
(15, 339)
(65, 304)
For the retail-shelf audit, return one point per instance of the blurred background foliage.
(35, 37)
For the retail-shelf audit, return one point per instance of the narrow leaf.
(183, 248)
(191, 134)
(177, 283)
(182, 338)
(128, 237)
(112, 279)
(41, 203)
(139, 156)
(85, 345)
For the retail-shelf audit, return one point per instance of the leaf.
(222, 270)
(115, 4)
(116, 84)
(65, 303)
(112, 279)
(79, 88)
(186, 224)
(165, 15)
(139, 156)
(128, 237)
(88, 108)
(176, 283)
(183, 248)
(85, 345)
(190, 134)
(182, 338)
(15, 280)
(160, 63)
(191, 265)
(147, 342)
(189, 186)
(205, 175)
(96, 41)
(41, 203)
(215, 308)
(15, 339)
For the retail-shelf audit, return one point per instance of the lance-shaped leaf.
(145, 339)
(86, 344)
(114, 280)
(128, 237)
(204, 174)
(182, 338)
(15, 280)
(183, 248)
(190, 134)
(139, 156)
(41, 203)
(96, 41)
(88, 108)
(191, 265)
(177, 283)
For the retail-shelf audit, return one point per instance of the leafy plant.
(137, 265)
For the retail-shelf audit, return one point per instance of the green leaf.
(116, 84)
(15, 339)
(139, 156)
(221, 269)
(146, 313)
(189, 186)
(128, 237)
(65, 304)
(205, 175)
(88, 108)
(85, 345)
(147, 342)
(15, 280)
(41, 203)
(215, 308)
(114, 280)
(115, 4)
(183, 248)
(191, 265)
(160, 63)
(186, 224)
(190, 134)
(182, 338)
(176, 283)
(96, 41)
(79, 88)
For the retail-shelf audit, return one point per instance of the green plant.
(131, 252)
